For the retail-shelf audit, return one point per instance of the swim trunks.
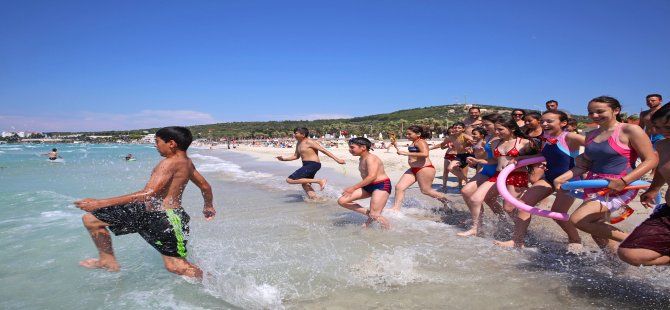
(307, 171)
(652, 234)
(165, 230)
(383, 185)
(462, 158)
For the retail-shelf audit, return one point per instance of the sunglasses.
(517, 114)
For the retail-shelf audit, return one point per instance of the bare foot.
(471, 232)
(575, 248)
(322, 183)
(507, 244)
(394, 209)
(367, 223)
(94, 263)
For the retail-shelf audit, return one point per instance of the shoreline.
(396, 165)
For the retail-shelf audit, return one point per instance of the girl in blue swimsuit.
(479, 189)
(559, 148)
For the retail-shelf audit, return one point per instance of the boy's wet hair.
(181, 135)
(361, 141)
(53, 150)
(662, 113)
(459, 124)
(304, 131)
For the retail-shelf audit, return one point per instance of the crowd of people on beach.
(487, 144)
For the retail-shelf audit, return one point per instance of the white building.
(149, 138)
(6, 134)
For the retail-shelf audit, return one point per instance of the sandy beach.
(396, 165)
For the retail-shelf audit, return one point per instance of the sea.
(268, 248)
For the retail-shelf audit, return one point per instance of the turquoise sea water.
(268, 249)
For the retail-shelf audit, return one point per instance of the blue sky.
(102, 65)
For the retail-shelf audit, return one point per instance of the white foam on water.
(244, 292)
(12, 149)
(154, 300)
(384, 270)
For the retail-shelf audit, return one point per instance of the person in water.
(130, 157)
(421, 169)
(154, 212)
(559, 148)
(375, 184)
(307, 150)
(649, 243)
(609, 153)
(53, 155)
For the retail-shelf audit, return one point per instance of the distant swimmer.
(375, 185)
(154, 212)
(130, 157)
(308, 150)
(53, 155)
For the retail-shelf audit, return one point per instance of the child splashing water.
(513, 145)
(375, 184)
(457, 164)
(610, 151)
(559, 149)
(421, 169)
(480, 189)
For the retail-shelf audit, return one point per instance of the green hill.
(437, 118)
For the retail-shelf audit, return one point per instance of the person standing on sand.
(375, 184)
(307, 150)
(154, 212)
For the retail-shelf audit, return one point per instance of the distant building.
(6, 134)
(149, 138)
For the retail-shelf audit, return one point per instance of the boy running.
(375, 184)
(154, 212)
(308, 150)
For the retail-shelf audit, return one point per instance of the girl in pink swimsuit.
(609, 153)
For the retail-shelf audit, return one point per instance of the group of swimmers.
(496, 141)
(491, 142)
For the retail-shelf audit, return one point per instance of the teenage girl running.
(610, 152)
(559, 148)
(421, 169)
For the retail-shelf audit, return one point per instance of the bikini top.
(413, 149)
(513, 152)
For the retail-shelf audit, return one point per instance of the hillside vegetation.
(436, 118)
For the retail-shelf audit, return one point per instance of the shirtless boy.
(375, 184)
(53, 155)
(463, 145)
(308, 150)
(154, 212)
(649, 243)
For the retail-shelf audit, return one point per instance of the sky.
(116, 65)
